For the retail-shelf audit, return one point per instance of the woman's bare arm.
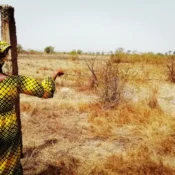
(58, 72)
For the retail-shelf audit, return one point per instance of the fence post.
(8, 34)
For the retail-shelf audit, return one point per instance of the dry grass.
(140, 161)
(75, 134)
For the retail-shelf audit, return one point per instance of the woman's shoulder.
(5, 77)
(15, 77)
(18, 76)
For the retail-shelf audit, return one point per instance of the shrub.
(109, 83)
(73, 54)
(79, 52)
(49, 49)
(171, 68)
(19, 48)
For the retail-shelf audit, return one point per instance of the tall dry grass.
(76, 134)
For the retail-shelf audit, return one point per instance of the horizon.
(100, 52)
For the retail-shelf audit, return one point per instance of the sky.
(95, 25)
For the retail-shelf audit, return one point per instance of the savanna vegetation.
(112, 114)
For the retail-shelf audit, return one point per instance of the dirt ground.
(72, 134)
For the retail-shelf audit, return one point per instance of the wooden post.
(8, 34)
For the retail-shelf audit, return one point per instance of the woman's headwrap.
(4, 47)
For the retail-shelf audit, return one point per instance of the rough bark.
(8, 34)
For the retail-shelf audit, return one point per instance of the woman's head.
(4, 48)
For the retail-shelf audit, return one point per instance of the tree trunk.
(8, 34)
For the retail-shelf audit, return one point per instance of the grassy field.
(79, 133)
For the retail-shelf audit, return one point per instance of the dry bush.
(109, 89)
(110, 84)
(171, 68)
(106, 79)
(91, 64)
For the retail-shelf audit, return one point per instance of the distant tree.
(73, 54)
(79, 52)
(169, 52)
(49, 49)
(32, 51)
(19, 48)
(128, 51)
(160, 54)
(110, 52)
(150, 53)
(119, 50)
(97, 53)
(134, 52)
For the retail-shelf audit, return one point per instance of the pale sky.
(95, 25)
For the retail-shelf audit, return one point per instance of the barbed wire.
(90, 76)
(78, 75)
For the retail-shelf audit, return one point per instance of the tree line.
(118, 52)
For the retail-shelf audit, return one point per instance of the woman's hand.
(58, 72)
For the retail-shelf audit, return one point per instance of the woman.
(10, 87)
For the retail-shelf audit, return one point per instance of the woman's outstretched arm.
(44, 89)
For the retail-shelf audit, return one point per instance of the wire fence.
(90, 76)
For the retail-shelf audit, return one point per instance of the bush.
(73, 54)
(79, 52)
(107, 81)
(49, 49)
(19, 49)
(110, 87)
(171, 68)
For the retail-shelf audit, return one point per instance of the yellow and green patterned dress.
(10, 135)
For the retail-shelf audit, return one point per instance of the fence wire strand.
(90, 76)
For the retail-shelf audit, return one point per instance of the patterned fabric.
(3, 46)
(10, 142)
